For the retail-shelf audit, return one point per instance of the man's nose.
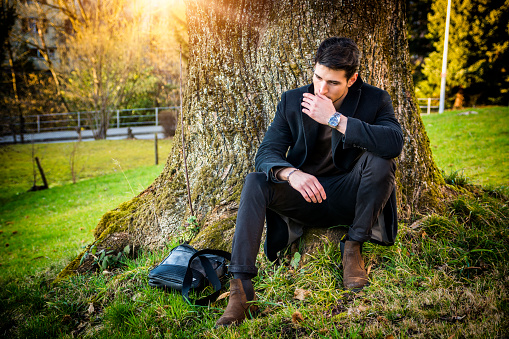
(323, 88)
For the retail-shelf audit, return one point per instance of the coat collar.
(349, 105)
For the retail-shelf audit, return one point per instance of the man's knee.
(255, 182)
(381, 169)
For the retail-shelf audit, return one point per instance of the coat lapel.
(348, 108)
(310, 128)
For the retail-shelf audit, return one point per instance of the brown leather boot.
(238, 306)
(354, 274)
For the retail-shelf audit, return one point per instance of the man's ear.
(352, 79)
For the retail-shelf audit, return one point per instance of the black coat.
(372, 126)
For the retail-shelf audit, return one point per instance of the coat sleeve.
(383, 137)
(275, 144)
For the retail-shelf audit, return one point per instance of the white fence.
(77, 120)
(428, 106)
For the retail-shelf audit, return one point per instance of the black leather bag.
(186, 268)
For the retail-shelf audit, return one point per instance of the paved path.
(140, 132)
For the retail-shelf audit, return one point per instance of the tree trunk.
(243, 55)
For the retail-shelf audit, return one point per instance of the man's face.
(333, 84)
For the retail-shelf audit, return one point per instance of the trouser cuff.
(243, 269)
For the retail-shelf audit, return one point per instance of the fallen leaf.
(224, 295)
(91, 308)
(423, 234)
(297, 317)
(26, 216)
(301, 294)
(323, 331)
(452, 336)
(368, 269)
(9, 222)
(390, 336)
(362, 308)
(82, 228)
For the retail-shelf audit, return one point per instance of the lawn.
(446, 276)
(40, 228)
(473, 142)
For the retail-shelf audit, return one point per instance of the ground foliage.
(446, 276)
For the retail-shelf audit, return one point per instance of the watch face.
(334, 121)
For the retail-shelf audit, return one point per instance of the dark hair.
(338, 54)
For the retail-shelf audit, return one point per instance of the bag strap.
(211, 276)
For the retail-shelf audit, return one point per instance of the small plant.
(190, 229)
(295, 260)
(106, 258)
(456, 178)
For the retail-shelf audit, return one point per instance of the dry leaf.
(297, 317)
(423, 234)
(369, 269)
(390, 336)
(301, 294)
(362, 308)
(224, 295)
(91, 308)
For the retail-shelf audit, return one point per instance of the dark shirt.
(319, 161)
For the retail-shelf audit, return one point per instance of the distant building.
(37, 32)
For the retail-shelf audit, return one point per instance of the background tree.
(478, 52)
(419, 44)
(242, 56)
(102, 60)
(100, 55)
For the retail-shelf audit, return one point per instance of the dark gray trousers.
(355, 198)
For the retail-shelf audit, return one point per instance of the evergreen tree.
(478, 52)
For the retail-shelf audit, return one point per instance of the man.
(326, 159)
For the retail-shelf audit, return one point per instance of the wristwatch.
(334, 120)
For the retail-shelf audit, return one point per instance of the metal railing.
(77, 120)
(428, 105)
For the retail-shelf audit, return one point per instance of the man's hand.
(307, 185)
(318, 107)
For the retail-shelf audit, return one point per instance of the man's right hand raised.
(306, 184)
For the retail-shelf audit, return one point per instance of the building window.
(29, 25)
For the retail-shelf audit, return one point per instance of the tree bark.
(243, 55)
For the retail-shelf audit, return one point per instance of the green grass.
(474, 145)
(93, 158)
(39, 228)
(446, 276)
